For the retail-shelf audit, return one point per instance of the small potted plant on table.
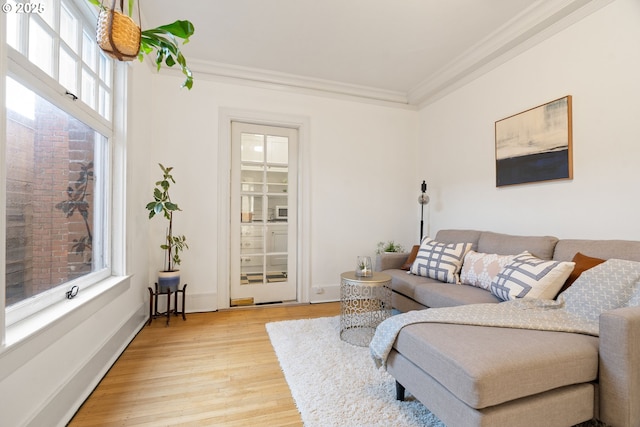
(389, 246)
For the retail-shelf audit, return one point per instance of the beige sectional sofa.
(491, 376)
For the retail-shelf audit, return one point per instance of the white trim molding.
(541, 20)
(301, 123)
(537, 23)
(283, 81)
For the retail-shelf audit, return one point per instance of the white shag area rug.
(335, 383)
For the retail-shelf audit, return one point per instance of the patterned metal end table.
(364, 303)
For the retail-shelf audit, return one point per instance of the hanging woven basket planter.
(118, 35)
(121, 38)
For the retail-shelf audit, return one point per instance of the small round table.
(364, 303)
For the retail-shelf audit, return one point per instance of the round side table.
(364, 303)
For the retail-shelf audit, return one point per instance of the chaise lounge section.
(490, 376)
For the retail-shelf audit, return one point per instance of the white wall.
(360, 185)
(597, 61)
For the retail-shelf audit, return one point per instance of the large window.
(53, 174)
(58, 156)
(60, 41)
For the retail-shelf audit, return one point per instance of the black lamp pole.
(423, 200)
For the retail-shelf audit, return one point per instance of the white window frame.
(3, 175)
(37, 312)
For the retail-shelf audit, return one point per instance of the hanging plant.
(121, 38)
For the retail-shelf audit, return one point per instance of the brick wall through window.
(49, 200)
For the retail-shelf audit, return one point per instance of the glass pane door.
(265, 208)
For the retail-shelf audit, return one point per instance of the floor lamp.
(423, 200)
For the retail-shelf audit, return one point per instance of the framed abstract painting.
(535, 145)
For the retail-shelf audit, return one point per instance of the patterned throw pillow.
(635, 298)
(583, 263)
(527, 276)
(412, 257)
(440, 261)
(604, 287)
(480, 269)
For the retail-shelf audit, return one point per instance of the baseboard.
(324, 293)
(64, 404)
(200, 303)
(195, 303)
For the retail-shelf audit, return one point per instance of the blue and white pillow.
(440, 261)
(528, 276)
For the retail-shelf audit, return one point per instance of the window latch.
(71, 293)
(71, 95)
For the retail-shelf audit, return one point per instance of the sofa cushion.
(507, 244)
(433, 293)
(485, 366)
(438, 294)
(527, 276)
(455, 236)
(622, 249)
(480, 269)
(440, 261)
(405, 283)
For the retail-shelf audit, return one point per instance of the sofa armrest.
(619, 376)
(388, 261)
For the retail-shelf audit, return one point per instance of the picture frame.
(535, 145)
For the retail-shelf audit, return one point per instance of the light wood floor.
(214, 369)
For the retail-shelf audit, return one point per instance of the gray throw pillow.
(604, 287)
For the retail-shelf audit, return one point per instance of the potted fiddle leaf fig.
(169, 278)
(121, 38)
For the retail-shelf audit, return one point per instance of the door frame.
(301, 124)
(264, 292)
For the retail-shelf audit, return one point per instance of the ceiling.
(399, 51)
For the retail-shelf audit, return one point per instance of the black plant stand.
(154, 296)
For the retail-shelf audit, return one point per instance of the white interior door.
(263, 243)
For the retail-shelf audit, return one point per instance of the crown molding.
(296, 83)
(537, 23)
(543, 19)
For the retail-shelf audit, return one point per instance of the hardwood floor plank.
(214, 369)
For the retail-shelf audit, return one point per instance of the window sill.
(35, 333)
